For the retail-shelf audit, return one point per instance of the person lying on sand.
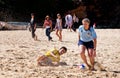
(51, 57)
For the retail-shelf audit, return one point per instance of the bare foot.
(35, 38)
(89, 67)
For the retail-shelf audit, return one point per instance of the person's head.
(32, 14)
(47, 17)
(86, 22)
(62, 50)
(58, 15)
(74, 14)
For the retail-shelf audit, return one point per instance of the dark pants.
(33, 32)
(74, 27)
(48, 33)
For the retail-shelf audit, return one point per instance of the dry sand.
(18, 54)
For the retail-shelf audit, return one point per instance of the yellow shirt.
(55, 52)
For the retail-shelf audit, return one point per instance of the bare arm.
(94, 38)
(78, 36)
(51, 24)
(40, 59)
(53, 54)
(54, 63)
(60, 22)
(95, 43)
(35, 26)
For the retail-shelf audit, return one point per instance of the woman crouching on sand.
(87, 41)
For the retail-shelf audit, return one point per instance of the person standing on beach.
(75, 22)
(87, 41)
(48, 25)
(33, 26)
(69, 21)
(58, 27)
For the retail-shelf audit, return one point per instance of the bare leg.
(71, 28)
(57, 33)
(82, 54)
(91, 57)
(67, 27)
(35, 38)
(60, 35)
(40, 59)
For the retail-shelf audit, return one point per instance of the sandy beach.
(19, 52)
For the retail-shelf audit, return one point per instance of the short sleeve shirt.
(87, 35)
(55, 52)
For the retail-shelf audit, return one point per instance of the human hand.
(55, 63)
(56, 57)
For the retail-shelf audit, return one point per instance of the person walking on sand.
(51, 57)
(48, 25)
(87, 40)
(69, 21)
(33, 26)
(58, 27)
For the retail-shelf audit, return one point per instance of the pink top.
(47, 23)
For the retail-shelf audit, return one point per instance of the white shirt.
(58, 22)
(68, 18)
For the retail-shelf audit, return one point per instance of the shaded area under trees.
(106, 13)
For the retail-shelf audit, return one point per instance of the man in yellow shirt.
(51, 57)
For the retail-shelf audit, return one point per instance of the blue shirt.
(87, 35)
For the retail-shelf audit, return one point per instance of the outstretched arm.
(95, 43)
(57, 59)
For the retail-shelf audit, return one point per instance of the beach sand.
(19, 52)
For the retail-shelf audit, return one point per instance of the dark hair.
(47, 16)
(32, 14)
(64, 48)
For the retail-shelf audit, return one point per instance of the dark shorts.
(86, 44)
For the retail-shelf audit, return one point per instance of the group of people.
(70, 23)
(87, 40)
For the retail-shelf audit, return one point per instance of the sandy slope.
(18, 54)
